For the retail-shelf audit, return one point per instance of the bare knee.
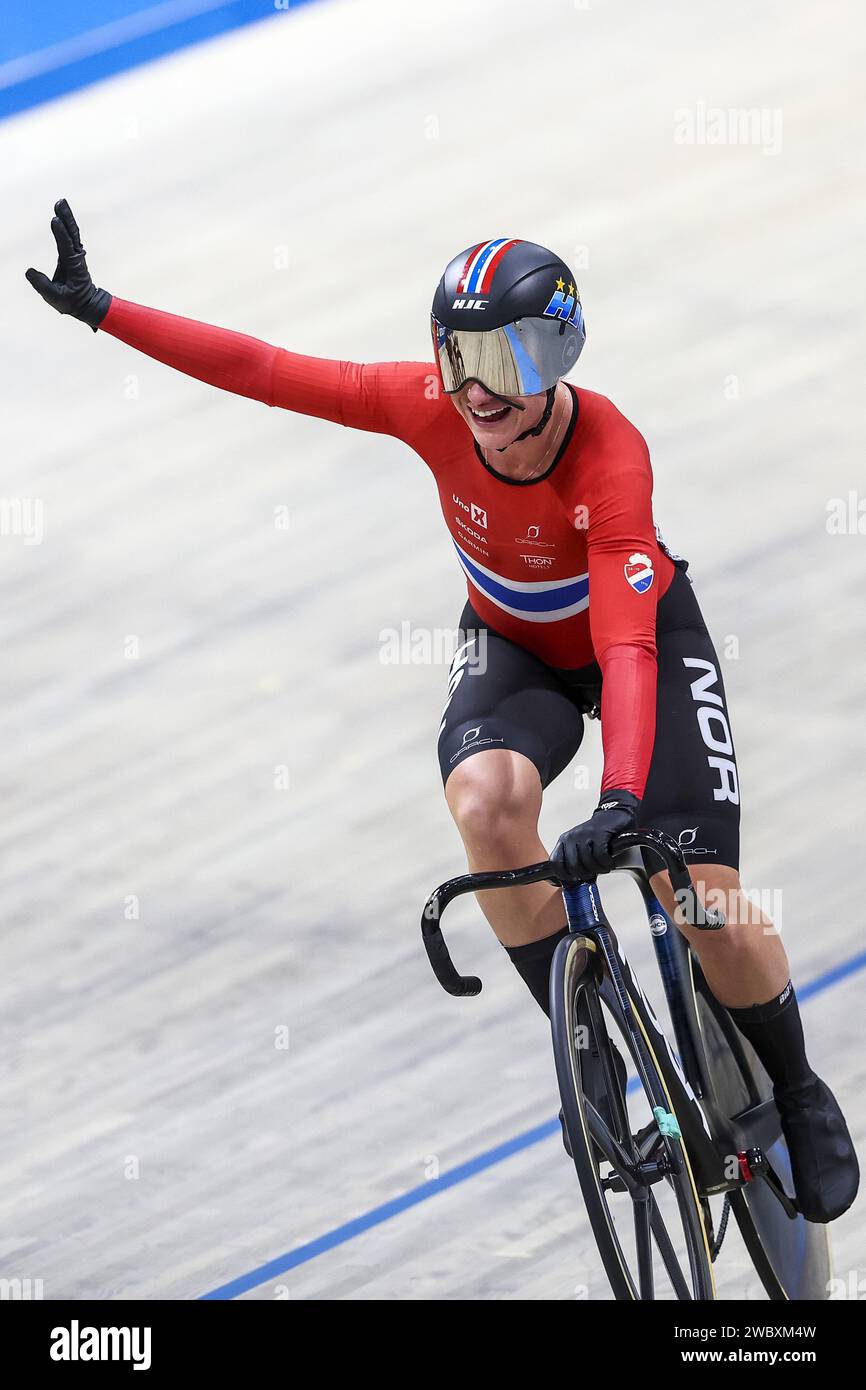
(720, 890)
(495, 798)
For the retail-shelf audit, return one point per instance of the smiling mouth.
(490, 417)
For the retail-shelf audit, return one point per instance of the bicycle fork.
(585, 914)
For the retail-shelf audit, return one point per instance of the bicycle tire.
(574, 971)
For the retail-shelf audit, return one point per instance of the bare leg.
(744, 962)
(495, 799)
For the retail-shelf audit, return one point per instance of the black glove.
(70, 290)
(584, 851)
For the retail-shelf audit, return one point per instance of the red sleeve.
(628, 717)
(387, 398)
(621, 542)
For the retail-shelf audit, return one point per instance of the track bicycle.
(663, 1160)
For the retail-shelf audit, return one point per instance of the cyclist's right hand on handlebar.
(70, 290)
(584, 851)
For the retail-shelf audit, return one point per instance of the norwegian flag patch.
(639, 572)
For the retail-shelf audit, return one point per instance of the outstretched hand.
(70, 290)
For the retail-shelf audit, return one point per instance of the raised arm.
(382, 397)
(364, 397)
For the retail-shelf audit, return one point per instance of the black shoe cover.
(823, 1162)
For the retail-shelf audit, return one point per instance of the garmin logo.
(470, 304)
(77, 1343)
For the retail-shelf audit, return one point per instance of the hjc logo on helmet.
(565, 306)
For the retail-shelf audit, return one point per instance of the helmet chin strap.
(540, 427)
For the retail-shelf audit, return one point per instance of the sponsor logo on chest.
(477, 515)
(473, 524)
(533, 537)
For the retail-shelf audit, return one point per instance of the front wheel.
(632, 1167)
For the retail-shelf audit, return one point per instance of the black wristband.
(98, 307)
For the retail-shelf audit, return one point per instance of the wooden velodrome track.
(222, 809)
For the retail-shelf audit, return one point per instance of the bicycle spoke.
(643, 1242)
(608, 1144)
(667, 1252)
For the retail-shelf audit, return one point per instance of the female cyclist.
(575, 606)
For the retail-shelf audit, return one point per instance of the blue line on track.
(48, 49)
(832, 977)
(302, 1254)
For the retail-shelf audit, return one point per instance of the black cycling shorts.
(501, 696)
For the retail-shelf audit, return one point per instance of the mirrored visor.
(520, 359)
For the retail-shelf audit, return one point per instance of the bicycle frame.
(759, 1125)
(684, 1074)
(625, 997)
